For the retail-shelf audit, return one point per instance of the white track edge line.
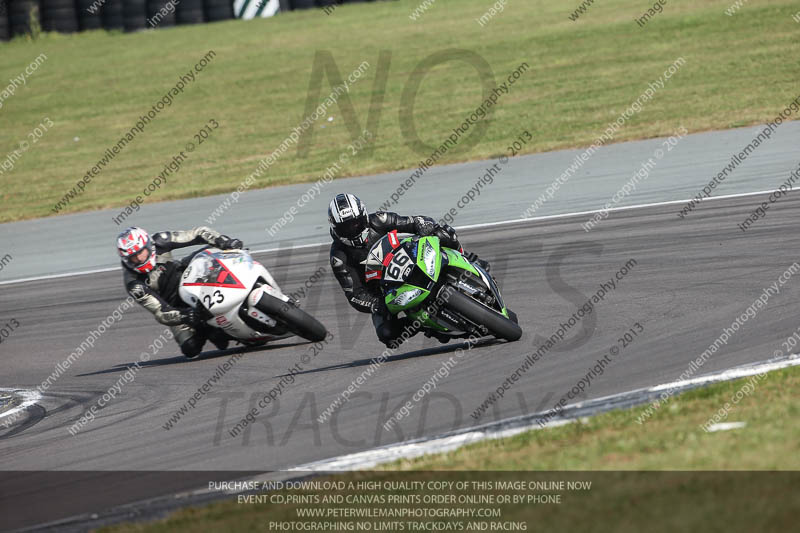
(457, 441)
(385, 454)
(111, 269)
(470, 226)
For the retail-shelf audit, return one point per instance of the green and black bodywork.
(437, 287)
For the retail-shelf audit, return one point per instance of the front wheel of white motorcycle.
(295, 319)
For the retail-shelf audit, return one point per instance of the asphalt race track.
(691, 278)
(681, 174)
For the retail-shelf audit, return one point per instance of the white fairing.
(221, 281)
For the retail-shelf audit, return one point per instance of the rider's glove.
(226, 243)
(448, 236)
(449, 230)
(191, 318)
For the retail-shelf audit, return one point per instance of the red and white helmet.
(136, 249)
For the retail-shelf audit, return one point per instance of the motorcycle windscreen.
(208, 270)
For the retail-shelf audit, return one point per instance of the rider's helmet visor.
(142, 260)
(141, 256)
(351, 228)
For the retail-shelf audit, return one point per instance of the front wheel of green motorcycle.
(477, 313)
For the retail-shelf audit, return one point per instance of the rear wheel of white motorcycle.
(477, 313)
(295, 319)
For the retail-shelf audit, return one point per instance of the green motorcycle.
(438, 288)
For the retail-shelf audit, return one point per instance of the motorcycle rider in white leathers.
(152, 277)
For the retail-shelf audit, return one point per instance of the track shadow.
(180, 359)
(399, 357)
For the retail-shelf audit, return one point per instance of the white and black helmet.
(349, 220)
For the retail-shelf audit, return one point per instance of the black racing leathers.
(157, 291)
(346, 265)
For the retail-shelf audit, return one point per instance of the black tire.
(296, 320)
(5, 26)
(19, 14)
(218, 10)
(498, 325)
(134, 15)
(219, 14)
(112, 15)
(155, 15)
(56, 4)
(86, 19)
(59, 15)
(190, 12)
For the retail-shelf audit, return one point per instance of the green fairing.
(456, 260)
(413, 307)
(394, 309)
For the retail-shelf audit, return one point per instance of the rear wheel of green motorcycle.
(296, 320)
(498, 325)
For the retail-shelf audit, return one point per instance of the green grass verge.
(672, 439)
(739, 70)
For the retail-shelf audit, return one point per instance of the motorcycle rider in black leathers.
(354, 231)
(152, 277)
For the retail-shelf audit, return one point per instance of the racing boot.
(218, 338)
(193, 346)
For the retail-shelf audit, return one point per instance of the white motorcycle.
(238, 295)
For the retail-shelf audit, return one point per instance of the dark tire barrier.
(19, 14)
(90, 14)
(160, 13)
(134, 14)
(190, 12)
(69, 16)
(59, 15)
(112, 15)
(218, 10)
(305, 4)
(5, 26)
